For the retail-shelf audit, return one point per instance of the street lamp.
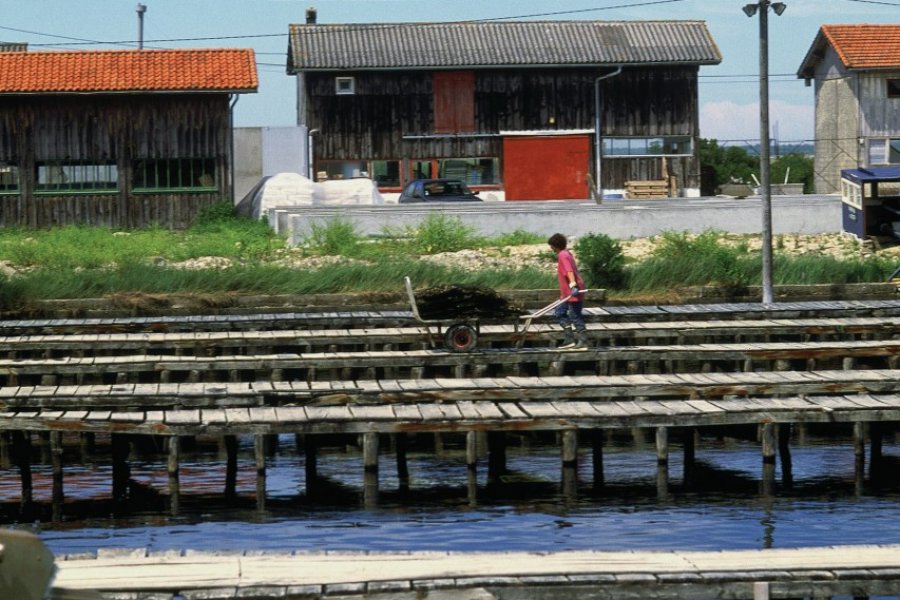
(762, 6)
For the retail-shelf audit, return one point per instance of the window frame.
(207, 167)
(892, 87)
(640, 146)
(79, 168)
(347, 89)
(15, 188)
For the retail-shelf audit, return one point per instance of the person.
(571, 286)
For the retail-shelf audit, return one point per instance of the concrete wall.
(622, 219)
(837, 124)
(263, 151)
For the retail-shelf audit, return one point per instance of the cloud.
(726, 120)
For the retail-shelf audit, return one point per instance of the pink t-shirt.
(565, 264)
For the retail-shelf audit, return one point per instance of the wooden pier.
(851, 571)
(374, 376)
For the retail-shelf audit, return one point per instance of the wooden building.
(515, 106)
(856, 72)
(124, 138)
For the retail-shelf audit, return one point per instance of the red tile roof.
(195, 70)
(865, 46)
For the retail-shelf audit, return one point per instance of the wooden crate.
(657, 188)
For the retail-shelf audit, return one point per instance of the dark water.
(722, 509)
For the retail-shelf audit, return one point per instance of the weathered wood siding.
(371, 124)
(119, 129)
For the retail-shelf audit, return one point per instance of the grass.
(88, 262)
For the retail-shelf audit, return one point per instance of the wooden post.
(88, 440)
(172, 467)
(569, 448)
(22, 452)
(439, 444)
(784, 454)
(875, 441)
(231, 448)
(690, 453)
(662, 445)
(401, 443)
(769, 446)
(496, 455)
(597, 456)
(662, 482)
(370, 468)
(471, 450)
(259, 451)
(310, 451)
(121, 470)
(859, 454)
(56, 455)
(760, 590)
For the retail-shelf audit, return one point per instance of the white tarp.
(293, 189)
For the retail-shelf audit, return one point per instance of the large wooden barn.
(538, 109)
(125, 138)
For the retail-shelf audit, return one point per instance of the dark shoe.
(568, 339)
(581, 342)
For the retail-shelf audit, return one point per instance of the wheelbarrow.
(461, 335)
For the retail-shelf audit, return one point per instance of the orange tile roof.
(865, 46)
(195, 70)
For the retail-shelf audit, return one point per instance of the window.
(386, 173)
(474, 171)
(893, 88)
(342, 169)
(344, 86)
(883, 151)
(9, 177)
(75, 177)
(152, 175)
(671, 145)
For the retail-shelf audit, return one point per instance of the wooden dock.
(850, 571)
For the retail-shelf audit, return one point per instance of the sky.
(729, 92)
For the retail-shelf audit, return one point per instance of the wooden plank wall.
(370, 124)
(112, 128)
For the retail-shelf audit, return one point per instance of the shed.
(123, 138)
(856, 72)
(485, 101)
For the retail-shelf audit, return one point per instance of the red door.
(546, 167)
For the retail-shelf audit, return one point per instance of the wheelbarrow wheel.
(460, 337)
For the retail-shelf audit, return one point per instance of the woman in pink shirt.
(571, 286)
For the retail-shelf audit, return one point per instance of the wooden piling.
(22, 452)
(120, 447)
(496, 455)
(569, 448)
(370, 469)
(662, 445)
(471, 450)
(597, 456)
(784, 454)
(310, 450)
(401, 444)
(56, 455)
(231, 448)
(769, 447)
(689, 441)
(259, 453)
(173, 467)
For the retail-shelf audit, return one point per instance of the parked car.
(437, 190)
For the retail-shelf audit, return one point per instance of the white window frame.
(345, 86)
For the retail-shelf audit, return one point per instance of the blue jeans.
(569, 313)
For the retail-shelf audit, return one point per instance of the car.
(437, 190)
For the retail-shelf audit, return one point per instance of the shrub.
(601, 261)
(336, 237)
(440, 233)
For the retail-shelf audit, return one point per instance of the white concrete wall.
(264, 151)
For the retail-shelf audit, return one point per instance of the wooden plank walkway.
(318, 366)
(769, 573)
(204, 343)
(684, 386)
(461, 415)
(394, 318)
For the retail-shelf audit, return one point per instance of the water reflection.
(437, 503)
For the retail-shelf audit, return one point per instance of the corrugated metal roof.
(494, 44)
(197, 70)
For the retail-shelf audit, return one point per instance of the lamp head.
(779, 7)
(750, 9)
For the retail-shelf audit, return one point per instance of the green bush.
(601, 261)
(440, 233)
(336, 237)
(682, 259)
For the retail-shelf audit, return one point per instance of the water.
(723, 509)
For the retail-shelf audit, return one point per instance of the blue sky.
(729, 92)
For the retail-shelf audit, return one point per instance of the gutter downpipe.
(231, 151)
(598, 185)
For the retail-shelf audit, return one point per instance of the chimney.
(311, 15)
